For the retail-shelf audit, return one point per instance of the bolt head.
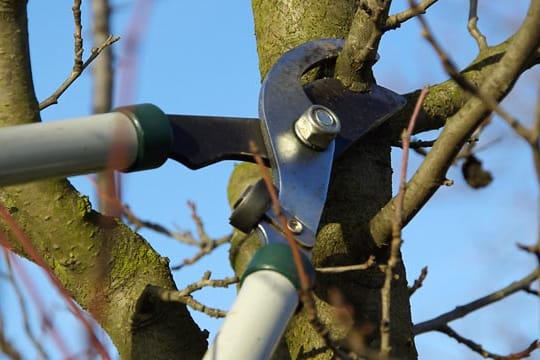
(317, 127)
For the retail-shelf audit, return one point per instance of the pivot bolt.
(317, 127)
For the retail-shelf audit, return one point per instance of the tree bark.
(361, 185)
(102, 263)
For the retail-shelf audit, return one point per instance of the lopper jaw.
(301, 172)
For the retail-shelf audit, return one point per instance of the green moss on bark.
(361, 185)
(102, 263)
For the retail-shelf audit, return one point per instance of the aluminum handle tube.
(254, 325)
(68, 147)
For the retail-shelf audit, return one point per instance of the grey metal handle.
(133, 138)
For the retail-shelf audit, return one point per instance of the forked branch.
(78, 65)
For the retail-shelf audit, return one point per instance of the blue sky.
(199, 57)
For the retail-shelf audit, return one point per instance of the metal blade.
(359, 113)
(199, 141)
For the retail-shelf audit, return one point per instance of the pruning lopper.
(300, 131)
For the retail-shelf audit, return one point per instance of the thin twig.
(23, 306)
(464, 310)
(341, 269)
(184, 296)
(207, 249)
(35, 256)
(6, 347)
(415, 144)
(204, 239)
(467, 85)
(78, 43)
(38, 303)
(484, 353)
(395, 21)
(53, 99)
(204, 243)
(419, 282)
(396, 231)
(532, 291)
(472, 25)
(138, 223)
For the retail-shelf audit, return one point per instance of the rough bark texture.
(102, 263)
(361, 185)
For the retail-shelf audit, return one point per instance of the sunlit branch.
(341, 269)
(395, 21)
(445, 329)
(464, 310)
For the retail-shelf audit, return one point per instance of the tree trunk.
(360, 187)
(102, 263)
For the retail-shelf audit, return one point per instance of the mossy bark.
(102, 263)
(361, 185)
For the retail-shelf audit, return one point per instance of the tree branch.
(430, 175)
(472, 25)
(484, 353)
(184, 296)
(419, 281)
(353, 65)
(340, 269)
(464, 310)
(395, 21)
(76, 72)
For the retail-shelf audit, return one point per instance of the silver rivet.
(295, 226)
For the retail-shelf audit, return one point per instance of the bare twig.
(415, 144)
(53, 99)
(205, 244)
(204, 239)
(341, 269)
(419, 282)
(484, 353)
(23, 306)
(205, 250)
(184, 296)
(532, 291)
(77, 63)
(458, 128)
(34, 255)
(532, 249)
(467, 85)
(464, 310)
(6, 347)
(38, 303)
(472, 25)
(396, 231)
(353, 65)
(131, 218)
(395, 21)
